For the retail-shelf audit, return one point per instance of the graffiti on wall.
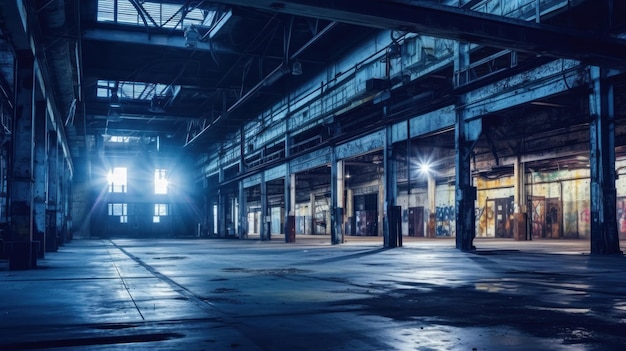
(484, 219)
(445, 220)
(621, 217)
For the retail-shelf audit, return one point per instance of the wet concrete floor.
(213, 294)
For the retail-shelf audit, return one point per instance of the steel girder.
(459, 24)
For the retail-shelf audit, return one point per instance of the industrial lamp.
(395, 50)
(296, 68)
(192, 36)
(157, 104)
(114, 100)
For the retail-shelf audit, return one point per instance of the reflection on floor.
(216, 294)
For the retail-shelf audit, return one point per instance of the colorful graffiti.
(445, 218)
(484, 218)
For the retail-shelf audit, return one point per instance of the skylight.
(153, 13)
(134, 90)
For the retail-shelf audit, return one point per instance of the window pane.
(160, 209)
(117, 179)
(164, 15)
(160, 181)
(118, 209)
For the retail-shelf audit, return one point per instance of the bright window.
(160, 210)
(119, 210)
(160, 181)
(119, 139)
(134, 90)
(155, 14)
(117, 180)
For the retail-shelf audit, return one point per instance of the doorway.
(416, 221)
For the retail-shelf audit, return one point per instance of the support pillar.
(312, 213)
(431, 228)
(604, 235)
(350, 210)
(466, 133)
(40, 176)
(290, 205)
(62, 203)
(392, 215)
(266, 219)
(221, 213)
(519, 201)
(21, 248)
(243, 212)
(52, 193)
(336, 193)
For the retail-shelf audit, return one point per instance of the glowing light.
(117, 180)
(425, 168)
(160, 181)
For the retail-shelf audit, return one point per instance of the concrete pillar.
(341, 206)
(336, 194)
(266, 219)
(312, 212)
(350, 209)
(519, 201)
(61, 194)
(40, 176)
(62, 203)
(243, 212)
(221, 213)
(390, 176)
(290, 205)
(22, 249)
(381, 207)
(52, 193)
(432, 207)
(69, 222)
(466, 133)
(604, 235)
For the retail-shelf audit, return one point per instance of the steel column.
(40, 175)
(465, 192)
(604, 235)
(432, 207)
(243, 212)
(52, 193)
(265, 211)
(312, 213)
(22, 250)
(519, 214)
(336, 194)
(290, 206)
(465, 135)
(60, 206)
(390, 177)
(69, 222)
(62, 209)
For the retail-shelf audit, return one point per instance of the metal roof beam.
(460, 24)
(156, 39)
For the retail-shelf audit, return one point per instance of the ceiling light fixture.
(394, 50)
(192, 36)
(296, 68)
(157, 104)
(114, 100)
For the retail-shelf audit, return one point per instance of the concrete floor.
(212, 294)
